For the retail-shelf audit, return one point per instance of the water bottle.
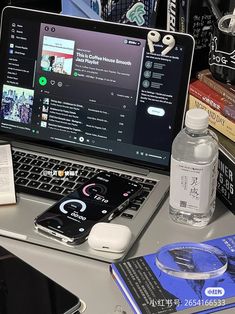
(193, 175)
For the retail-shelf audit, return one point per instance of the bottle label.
(192, 186)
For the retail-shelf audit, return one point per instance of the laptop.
(81, 96)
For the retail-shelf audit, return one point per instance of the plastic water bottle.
(193, 176)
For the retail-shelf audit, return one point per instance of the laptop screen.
(91, 86)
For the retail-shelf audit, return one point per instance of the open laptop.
(81, 96)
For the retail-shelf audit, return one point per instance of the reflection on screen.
(23, 289)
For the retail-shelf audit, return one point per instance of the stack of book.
(218, 99)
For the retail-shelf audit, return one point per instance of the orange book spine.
(216, 119)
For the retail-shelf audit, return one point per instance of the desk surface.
(91, 280)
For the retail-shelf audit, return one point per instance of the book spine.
(219, 88)
(225, 181)
(216, 119)
(172, 15)
(153, 15)
(123, 286)
(183, 16)
(216, 101)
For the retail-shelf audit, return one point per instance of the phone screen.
(23, 289)
(97, 200)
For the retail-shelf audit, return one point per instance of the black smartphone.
(23, 289)
(100, 199)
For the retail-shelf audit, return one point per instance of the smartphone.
(101, 198)
(23, 289)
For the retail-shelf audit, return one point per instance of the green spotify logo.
(42, 80)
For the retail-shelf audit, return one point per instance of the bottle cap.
(196, 119)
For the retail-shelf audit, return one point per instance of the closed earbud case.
(109, 237)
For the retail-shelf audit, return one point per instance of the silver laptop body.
(91, 95)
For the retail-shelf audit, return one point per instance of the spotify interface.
(88, 89)
(97, 200)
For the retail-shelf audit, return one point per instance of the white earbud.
(168, 40)
(153, 37)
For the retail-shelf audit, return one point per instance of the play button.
(42, 80)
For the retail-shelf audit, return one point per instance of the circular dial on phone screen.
(72, 204)
(94, 188)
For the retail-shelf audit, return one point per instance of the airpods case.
(109, 237)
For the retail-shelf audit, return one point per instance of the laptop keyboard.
(54, 178)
